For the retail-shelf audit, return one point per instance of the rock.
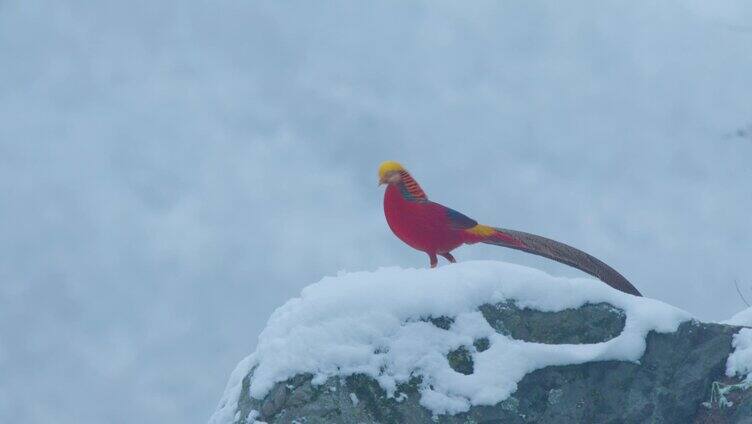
(588, 324)
(678, 373)
(461, 360)
(481, 344)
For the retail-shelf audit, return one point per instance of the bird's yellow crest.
(389, 166)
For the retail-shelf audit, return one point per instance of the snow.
(743, 318)
(371, 323)
(228, 405)
(740, 361)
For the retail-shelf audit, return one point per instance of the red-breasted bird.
(437, 230)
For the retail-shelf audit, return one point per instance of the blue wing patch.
(460, 221)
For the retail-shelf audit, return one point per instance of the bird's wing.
(457, 220)
(563, 253)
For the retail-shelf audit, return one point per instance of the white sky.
(170, 173)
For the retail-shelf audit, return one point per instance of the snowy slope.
(373, 323)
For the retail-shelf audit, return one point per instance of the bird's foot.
(434, 260)
(448, 257)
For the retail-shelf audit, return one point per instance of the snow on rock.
(743, 318)
(373, 323)
(251, 418)
(739, 363)
(227, 408)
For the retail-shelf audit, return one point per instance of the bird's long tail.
(563, 253)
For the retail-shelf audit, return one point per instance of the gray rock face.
(588, 324)
(680, 379)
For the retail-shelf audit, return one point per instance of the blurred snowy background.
(170, 172)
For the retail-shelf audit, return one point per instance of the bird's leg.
(448, 257)
(434, 260)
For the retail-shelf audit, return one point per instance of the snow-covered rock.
(475, 341)
(743, 318)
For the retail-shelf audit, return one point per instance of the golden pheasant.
(437, 230)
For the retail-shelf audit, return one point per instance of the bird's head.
(390, 172)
